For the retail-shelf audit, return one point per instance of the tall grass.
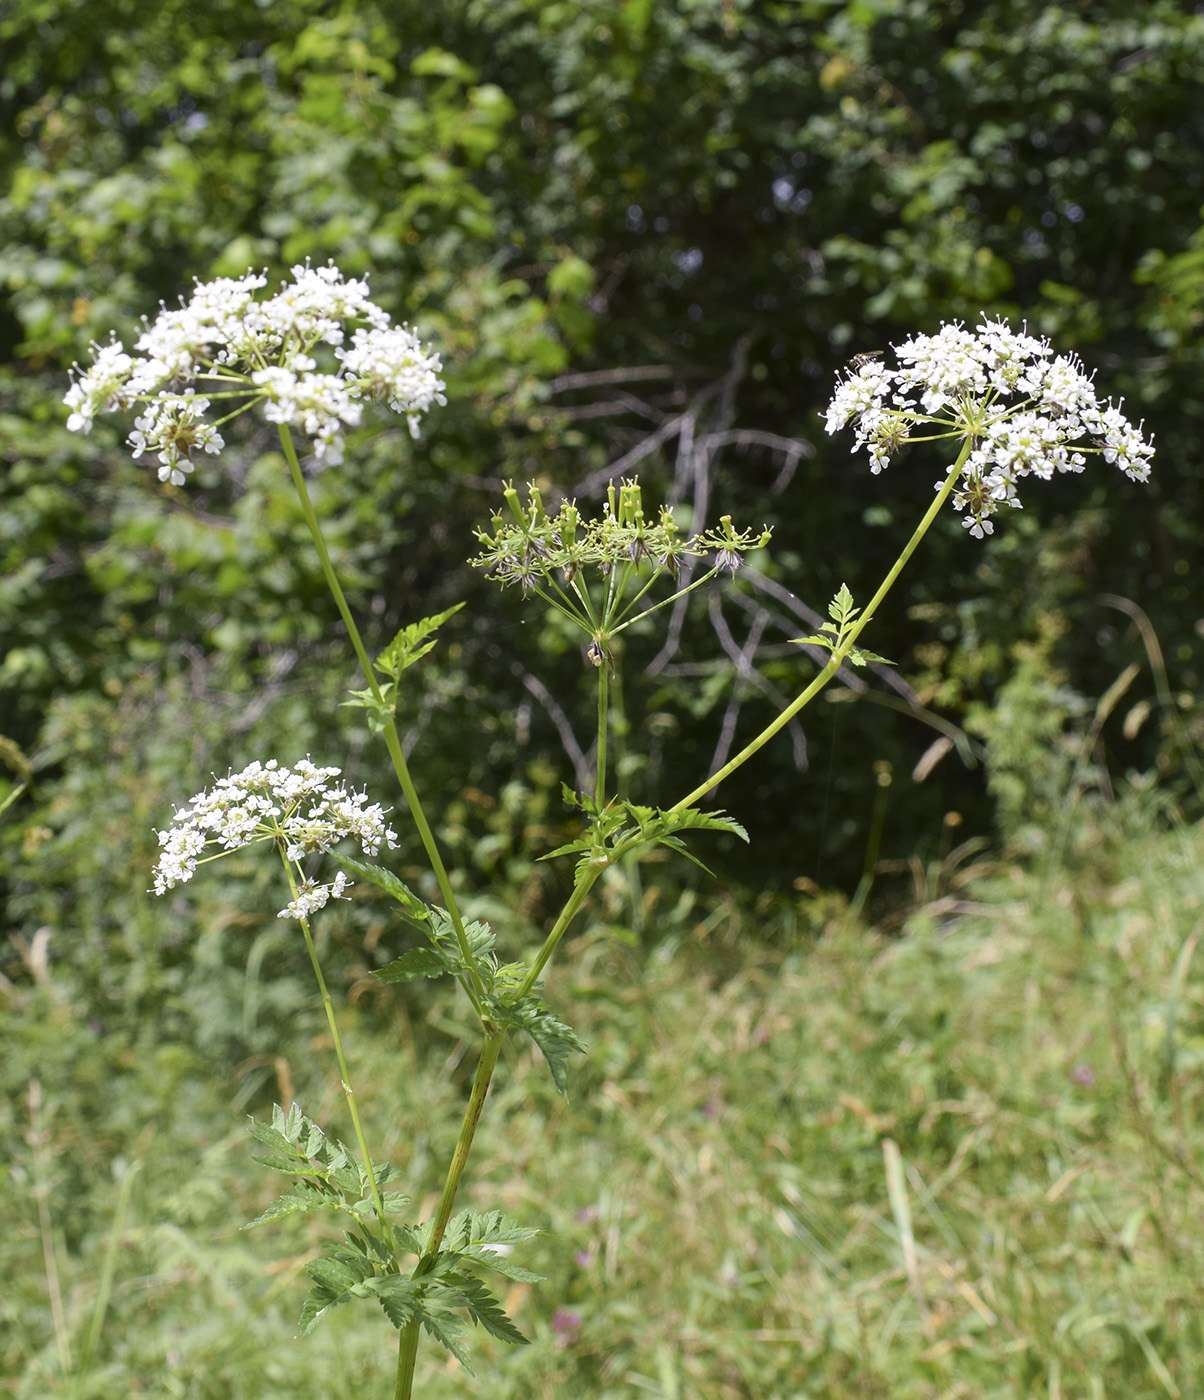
(961, 1159)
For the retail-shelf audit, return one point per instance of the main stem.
(407, 1348)
(836, 660)
(475, 988)
(603, 702)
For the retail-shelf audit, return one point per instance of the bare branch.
(743, 656)
(582, 769)
(596, 482)
(631, 374)
(612, 408)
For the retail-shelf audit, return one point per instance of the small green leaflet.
(477, 1235)
(843, 615)
(411, 644)
(418, 962)
(464, 1291)
(332, 1176)
(556, 1041)
(660, 827)
(338, 1277)
(443, 956)
(625, 827)
(398, 1295)
(448, 1330)
(380, 708)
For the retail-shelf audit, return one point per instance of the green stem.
(563, 604)
(407, 1346)
(662, 603)
(344, 1072)
(587, 604)
(392, 741)
(585, 883)
(603, 700)
(837, 658)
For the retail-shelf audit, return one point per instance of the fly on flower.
(1020, 409)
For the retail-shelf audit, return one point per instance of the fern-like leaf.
(411, 644)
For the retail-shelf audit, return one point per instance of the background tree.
(638, 232)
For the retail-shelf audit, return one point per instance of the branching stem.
(838, 656)
(407, 1346)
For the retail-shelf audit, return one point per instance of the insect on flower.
(867, 357)
(1019, 409)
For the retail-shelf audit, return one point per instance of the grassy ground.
(965, 1158)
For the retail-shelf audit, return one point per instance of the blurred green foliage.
(732, 197)
(801, 1158)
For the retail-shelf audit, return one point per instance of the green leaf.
(291, 1165)
(337, 1275)
(488, 1227)
(485, 1309)
(500, 1264)
(556, 1040)
(317, 1302)
(814, 640)
(398, 1296)
(271, 1137)
(299, 1202)
(410, 644)
(691, 819)
(418, 912)
(381, 709)
(448, 1331)
(677, 844)
(859, 657)
(475, 1236)
(410, 1237)
(479, 935)
(332, 1170)
(841, 609)
(584, 843)
(418, 962)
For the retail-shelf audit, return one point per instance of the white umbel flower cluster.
(236, 345)
(1025, 411)
(300, 808)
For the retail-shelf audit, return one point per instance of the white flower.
(236, 344)
(173, 426)
(315, 404)
(1025, 411)
(300, 808)
(389, 366)
(101, 388)
(311, 896)
(319, 302)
